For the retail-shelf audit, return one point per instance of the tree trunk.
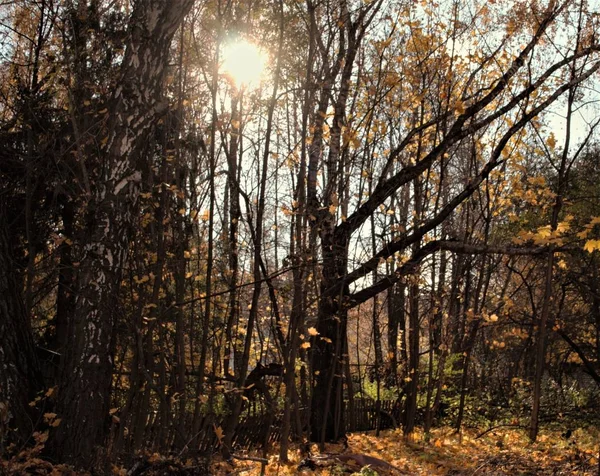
(327, 422)
(20, 377)
(103, 244)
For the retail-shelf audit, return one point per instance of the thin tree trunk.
(258, 242)
(540, 355)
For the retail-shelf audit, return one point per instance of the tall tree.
(482, 101)
(134, 107)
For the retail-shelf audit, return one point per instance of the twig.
(499, 426)
(251, 458)
(485, 463)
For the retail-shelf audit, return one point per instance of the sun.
(244, 62)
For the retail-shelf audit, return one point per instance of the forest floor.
(503, 451)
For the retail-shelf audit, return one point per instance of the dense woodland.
(402, 212)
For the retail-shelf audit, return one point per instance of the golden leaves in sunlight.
(592, 245)
(443, 452)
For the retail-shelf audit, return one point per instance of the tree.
(476, 102)
(371, 219)
(102, 243)
(21, 376)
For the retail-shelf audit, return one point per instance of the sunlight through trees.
(229, 224)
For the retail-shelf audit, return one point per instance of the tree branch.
(410, 267)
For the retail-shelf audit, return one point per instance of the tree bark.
(103, 244)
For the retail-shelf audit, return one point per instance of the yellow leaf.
(55, 423)
(219, 432)
(562, 264)
(592, 245)
(49, 416)
(544, 231)
(312, 331)
(563, 227)
(551, 141)
(117, 471)
(305, 345)
(40, 437)
(583, 234)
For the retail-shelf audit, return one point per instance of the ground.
(504, 451)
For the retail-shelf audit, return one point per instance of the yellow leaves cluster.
(497, 344)
(142, 280)
(491, 318)
(545, 235)
(443, 450)
(530, 190)
(593, 244)
(350, 138)
(51, 419)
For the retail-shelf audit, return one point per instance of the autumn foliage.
(241, 231)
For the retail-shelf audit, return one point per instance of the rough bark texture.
(133, 109)
(327, 413)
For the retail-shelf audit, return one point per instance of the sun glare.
(244, 63)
